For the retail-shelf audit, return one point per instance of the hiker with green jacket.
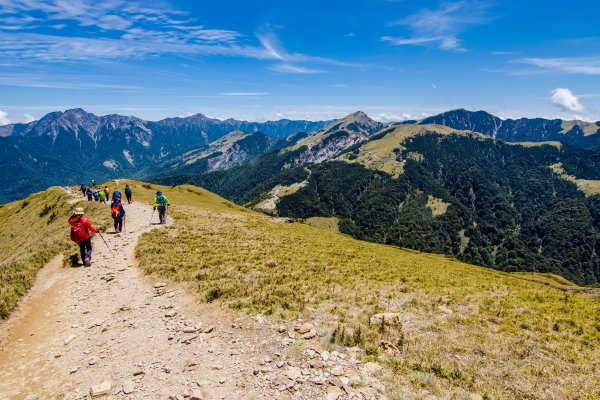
(162, 203)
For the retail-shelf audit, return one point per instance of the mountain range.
(514, 195)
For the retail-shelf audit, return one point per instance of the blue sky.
(267, 59)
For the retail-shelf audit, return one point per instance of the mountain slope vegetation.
(463, 328)
(503, 206)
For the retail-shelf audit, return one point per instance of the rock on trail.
(108, 331)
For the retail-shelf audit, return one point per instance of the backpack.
(77, 231)
(116, 211)
(160, 199)
(116, 194)
(127, 191)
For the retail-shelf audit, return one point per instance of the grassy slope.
(509, 336)
(33, 231)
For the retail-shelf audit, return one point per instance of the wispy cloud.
(576, 65)
(293, 69)
(27, 118)
(441, 26)
(245, 94)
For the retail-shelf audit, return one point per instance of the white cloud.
(442, 25)
(565, 99)
(4, 120)
(576, 65)
(27, 118)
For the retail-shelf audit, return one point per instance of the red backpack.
(116, 211)
(77, 231)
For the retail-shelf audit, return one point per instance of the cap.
(78, 211)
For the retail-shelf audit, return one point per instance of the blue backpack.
(160, 199)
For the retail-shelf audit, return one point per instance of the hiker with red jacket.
(118, 213)
(80, 234)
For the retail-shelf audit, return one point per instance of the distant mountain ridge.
(81, 146)
(577, 133)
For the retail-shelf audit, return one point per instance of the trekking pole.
(125, 224)
(106, 244)
(152, 216)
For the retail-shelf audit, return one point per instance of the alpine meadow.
(359, 200)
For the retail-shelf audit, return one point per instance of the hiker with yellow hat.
(80, 234)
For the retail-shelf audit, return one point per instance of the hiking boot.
(87, 262)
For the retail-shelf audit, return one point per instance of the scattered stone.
(271, 263)
(69, 339)
(280, 364)
(445, 310)
(293, 373)
(337, 371)
(316, 381)
(128, 387)
(189, 330)
(209, 329)
(93, 361)
(317, 364)
(335, 381)
(73, 370)
(159, 285)
(389, 319)
(138, 372)
(310, 334)
(101, 389)
(325, 355)
(57, 355)
(371, 368)
(171, 314)
(475, 396)
(281, 329)
(304, 329)
(196, 395)
(334, 393)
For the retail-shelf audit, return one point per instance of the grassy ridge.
(464, 328)
(33, 231)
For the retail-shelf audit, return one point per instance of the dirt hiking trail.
(108, 331)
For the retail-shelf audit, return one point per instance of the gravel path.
(82, 327)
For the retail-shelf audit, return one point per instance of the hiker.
(89, 193)
(82, 188)
(128, 194)
(102, 195)
(96, 195)
(118, 213)
(116, 194)
(93, 182)
(162, 202)
(80, 234)
(106, 192)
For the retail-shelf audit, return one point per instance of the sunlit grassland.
(33, 231)
(507, 336)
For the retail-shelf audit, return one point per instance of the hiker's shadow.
(155, 223)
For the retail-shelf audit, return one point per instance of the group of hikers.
(96, 193)
(81, 225)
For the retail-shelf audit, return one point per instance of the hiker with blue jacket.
(128, 194)
(118, 214)
(162, 203)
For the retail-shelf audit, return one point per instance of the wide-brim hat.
(78, 211)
